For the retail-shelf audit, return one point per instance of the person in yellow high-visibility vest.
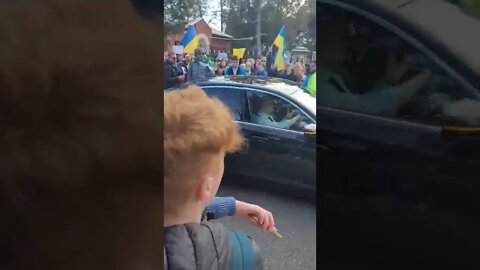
(312, 84)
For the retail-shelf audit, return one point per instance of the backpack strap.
(243, 255)
(165, 259)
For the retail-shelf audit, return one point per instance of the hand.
(289, 114)
(295, 118)
(181, 78)
(246, 211)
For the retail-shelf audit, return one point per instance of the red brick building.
(210, 38)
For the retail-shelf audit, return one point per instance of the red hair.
(197, 128)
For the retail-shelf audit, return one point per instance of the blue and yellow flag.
(190, 41)
(279, 44)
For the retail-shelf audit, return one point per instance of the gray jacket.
(204, 246)
(199, 71)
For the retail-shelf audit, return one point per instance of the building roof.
(220, 33)
(215, 32)
(193, 22)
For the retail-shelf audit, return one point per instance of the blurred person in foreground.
(80, 136)
(195, 146)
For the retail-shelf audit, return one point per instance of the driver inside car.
(265, 115)
(388, 93)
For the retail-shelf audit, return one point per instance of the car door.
(234, 98)
(398, 193)
(280, 156)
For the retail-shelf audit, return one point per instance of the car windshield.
(302, 97)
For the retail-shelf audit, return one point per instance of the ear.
(205, 189)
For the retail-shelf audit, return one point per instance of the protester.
(273, 72)
(81, 117)
(312, 84)
(193, 170)
(235, 68)
(187, 59)
(298, 72)
(252, 64)
(180, 69)
(220, 71)
(261, 72)
(263, 62)
(311, 80)
(312, 67)
(201, 68)
(257, 63)
(248, 68)
(288, 73)
(171, 74)
(307, 69)
(300, 61)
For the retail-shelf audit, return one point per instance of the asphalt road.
(295, 220)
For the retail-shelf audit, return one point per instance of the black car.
(400, 190)
(271, 156)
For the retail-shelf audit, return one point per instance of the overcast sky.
(213, 4)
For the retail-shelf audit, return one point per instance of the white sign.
(222, 56)
(178, 49)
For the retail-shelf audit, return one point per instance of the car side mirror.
(310, 129)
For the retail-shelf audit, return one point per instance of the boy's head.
(198, 132)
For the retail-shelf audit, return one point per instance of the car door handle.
(260, 138)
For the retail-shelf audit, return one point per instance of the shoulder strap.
(165, 259)
(243, 256)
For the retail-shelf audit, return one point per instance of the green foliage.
(240, 17)
(298, 16)
(179, 12)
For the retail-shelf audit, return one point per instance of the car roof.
(437, 20)
(275, 85)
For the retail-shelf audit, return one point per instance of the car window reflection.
(268, 110)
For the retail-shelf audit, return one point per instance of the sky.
(214, 23)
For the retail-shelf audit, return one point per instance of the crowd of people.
(182, 68)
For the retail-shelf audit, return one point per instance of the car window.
(368, 69)
(230, 97)
(270, 110)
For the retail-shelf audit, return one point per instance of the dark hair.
(234, 58)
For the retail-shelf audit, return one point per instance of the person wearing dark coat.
(170, 72)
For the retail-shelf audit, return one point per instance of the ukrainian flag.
(280, 54)
(190, 41)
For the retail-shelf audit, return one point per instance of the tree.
(298, 16)
(202, 7)
(178, 13)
